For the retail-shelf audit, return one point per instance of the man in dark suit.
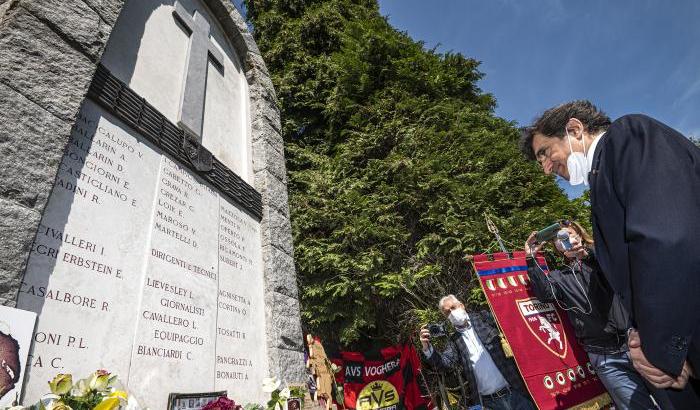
(492, 379)
(645, 201)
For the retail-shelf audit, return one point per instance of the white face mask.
(458, 317)
(577, 164)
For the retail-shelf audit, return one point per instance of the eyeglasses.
(564, 222)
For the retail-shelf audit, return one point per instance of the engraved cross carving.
(201, 49)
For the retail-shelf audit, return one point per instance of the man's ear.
(575, 128)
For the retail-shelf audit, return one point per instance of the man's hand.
(654, 375)
(425, 337)
(682, 380)
(531, 245)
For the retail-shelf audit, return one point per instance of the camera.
(437, 330)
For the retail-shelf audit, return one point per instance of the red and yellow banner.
(555, 368)
(384, 381)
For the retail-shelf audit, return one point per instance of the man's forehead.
(539, 139)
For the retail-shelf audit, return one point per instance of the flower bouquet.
(279, 396)
(99, 391)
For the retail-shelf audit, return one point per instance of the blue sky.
(626, 56)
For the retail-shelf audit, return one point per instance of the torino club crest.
(544, 323)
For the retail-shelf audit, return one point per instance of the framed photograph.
(192, 401)
(16, 331)
(294, 403)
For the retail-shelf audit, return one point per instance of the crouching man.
(475, 348)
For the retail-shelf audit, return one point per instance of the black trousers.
(686, 399)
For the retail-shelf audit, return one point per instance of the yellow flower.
(61, 384)
(109, 403)
(100, 380)
(120, 394)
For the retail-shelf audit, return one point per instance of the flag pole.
(494, 230)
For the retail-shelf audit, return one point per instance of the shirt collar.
(591, 151)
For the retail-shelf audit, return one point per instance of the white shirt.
(591, 152)
(489, 379)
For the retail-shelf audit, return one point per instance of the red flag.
(555, 368)
(387, 381)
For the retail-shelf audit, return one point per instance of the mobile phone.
(548, 233)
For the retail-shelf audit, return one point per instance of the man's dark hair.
(552, 122)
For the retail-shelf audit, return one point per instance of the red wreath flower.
(222, 403)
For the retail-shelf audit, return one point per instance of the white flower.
(270, 384)
(133, 404)
(285, 393)
(58, 405)
(80, 388)
(48, 400)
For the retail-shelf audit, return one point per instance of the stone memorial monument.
(143, 197)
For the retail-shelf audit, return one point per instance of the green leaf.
(393, 155)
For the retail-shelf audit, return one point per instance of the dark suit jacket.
(645, 202)
(456, 353)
